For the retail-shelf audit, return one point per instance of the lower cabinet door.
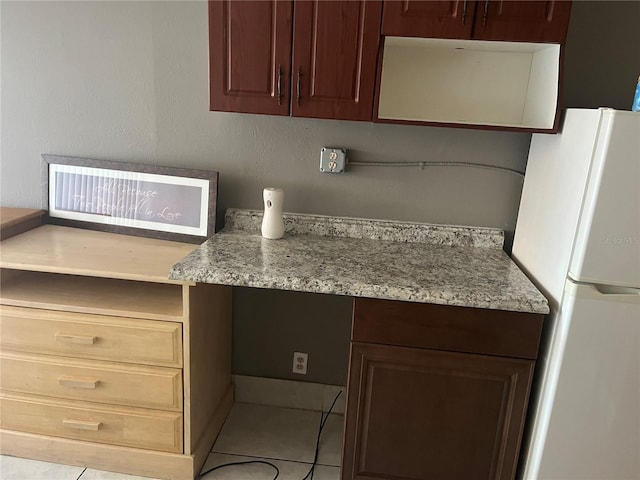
(125, 426)
(426, 414)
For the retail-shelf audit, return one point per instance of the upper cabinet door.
(335, 49)
(250, 56)
(522, 21)
(414, 18)
(505, 20)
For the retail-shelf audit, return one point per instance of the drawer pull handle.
(78, 382)
(279, 85)
(298, 86)
(486, 12)
(77, 339)
(82, 425)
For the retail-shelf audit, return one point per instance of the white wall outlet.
(300, 362)
(333, 160)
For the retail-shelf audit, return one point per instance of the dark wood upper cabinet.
(333, 44)
(508, 20)
(428, 18)
(522, 21)
(250, 56)
(335, 50)
(323, 59)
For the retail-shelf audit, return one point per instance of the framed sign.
(129, 198)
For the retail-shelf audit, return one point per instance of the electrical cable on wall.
(308, 476)
(422, 165)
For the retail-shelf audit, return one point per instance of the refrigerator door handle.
(603, 292)
(615, 290)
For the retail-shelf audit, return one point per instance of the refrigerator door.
(554, 185)
(607, 245)
(594, 427)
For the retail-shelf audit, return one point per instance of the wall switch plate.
(300, 362)
(333, 160)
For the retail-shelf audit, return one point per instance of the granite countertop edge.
(447, 265)
(533, 305)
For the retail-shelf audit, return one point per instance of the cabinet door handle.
(464, 12)
(81, 424)
(76, 339)
(298, 86)
(78, 382)
(486, 11)
(279, 85)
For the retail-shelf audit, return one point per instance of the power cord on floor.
(323, 420)
(248, 462)
(308, 476)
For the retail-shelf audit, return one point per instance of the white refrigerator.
(577, 236)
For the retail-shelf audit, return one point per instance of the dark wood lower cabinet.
(422, 413)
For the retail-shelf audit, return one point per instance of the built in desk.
(445, 334)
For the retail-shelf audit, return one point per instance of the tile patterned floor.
(285, 437)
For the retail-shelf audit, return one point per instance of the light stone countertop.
(449, 265)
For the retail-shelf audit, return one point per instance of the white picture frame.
(146, 200)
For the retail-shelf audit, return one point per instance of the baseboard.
(288, 393)
(132, 461)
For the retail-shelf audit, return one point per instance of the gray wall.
(602, 58)
(129, 81)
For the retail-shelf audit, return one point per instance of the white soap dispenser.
(272, 223)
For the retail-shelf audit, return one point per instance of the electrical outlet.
(333, 160)
(300, 362)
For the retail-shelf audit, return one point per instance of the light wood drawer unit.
(92, 380)
(133, 427)
(104, 361)
(102, 337)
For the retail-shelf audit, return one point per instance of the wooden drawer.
(442, 327)
(132, 427)
(128, 340)
(92, 380)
